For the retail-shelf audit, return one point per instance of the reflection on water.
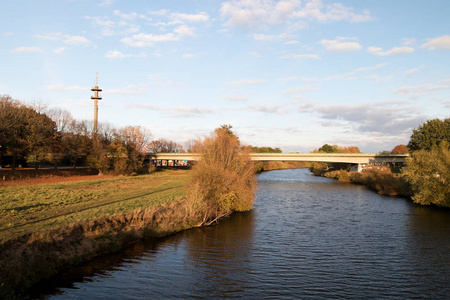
(216, 254)
(308, 237)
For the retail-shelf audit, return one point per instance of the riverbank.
(46, 228)
(265, 166)
(381, 180)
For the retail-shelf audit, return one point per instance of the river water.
(307, 237)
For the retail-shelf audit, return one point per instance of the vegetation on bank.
(223, 180)
(429, 175)
(263, 166)
(31, 208)
(382, 180)
(46, 228)
(426, 178)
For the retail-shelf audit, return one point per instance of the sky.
(293, 74)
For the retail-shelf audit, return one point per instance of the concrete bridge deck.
(350, 158)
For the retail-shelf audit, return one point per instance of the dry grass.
(223, 180)
(62, 224)
(278, 165)
(31, 208)
(39, 255)
(381, 180)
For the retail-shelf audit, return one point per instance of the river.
(307, 237)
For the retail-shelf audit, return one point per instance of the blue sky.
(293, 74)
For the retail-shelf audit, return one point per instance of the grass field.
(39, 207)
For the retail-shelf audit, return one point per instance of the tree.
(400, 149)
(77, 142)
(24, 132)
(336, 149)
(40, 135)
(429, 174)
(430, 134)
(350, 149)
(255, 149)
(326, 149)
(165, 146)
(130, 145)
(223, 180)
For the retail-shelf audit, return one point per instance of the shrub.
(429, 174)
(223, 180)
(383, 181)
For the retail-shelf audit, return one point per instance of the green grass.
(34, 208)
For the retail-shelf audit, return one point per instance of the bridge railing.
(352, 158)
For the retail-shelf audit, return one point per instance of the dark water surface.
(308, 237)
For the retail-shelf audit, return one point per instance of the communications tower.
(96, 97)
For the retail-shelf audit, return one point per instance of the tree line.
(34, 134)
(429, 166)
(427, 171)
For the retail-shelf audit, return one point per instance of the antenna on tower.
(96, 97)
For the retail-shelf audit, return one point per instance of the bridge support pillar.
(359, 167)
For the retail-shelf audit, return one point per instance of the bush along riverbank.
(46, 229)
(382, 180)
(264, 166)
(31, 258)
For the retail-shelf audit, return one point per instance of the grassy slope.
(34, 208)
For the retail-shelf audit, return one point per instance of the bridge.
(358, 159)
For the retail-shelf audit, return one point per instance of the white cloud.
(146, 40)
(260, 13)
(184, 30)
(62, 88)
(111, 28)
(160, 12)
(176, 111)
(106, 2)
(129, 90)
(9, 33)
(299, 90)
(188, 55)
(422, 90)
(129, 16)
(101, 21)
(59, 50)
(442, 42)
(115, 54)
(263, 37)
(394, 51)
(287, 78)
(412, 71)
(407, 41)
(248, 82)
(388, 118)
(291, 42)
(272, 109)
(341, 45)
(256, 54)
(193, 18)
(26, 50)
(235, 98)
(379, 66)
(378, 78)
(76, 40)
(300, 56)
(314, 9)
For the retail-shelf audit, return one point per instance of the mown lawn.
(32, 208)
